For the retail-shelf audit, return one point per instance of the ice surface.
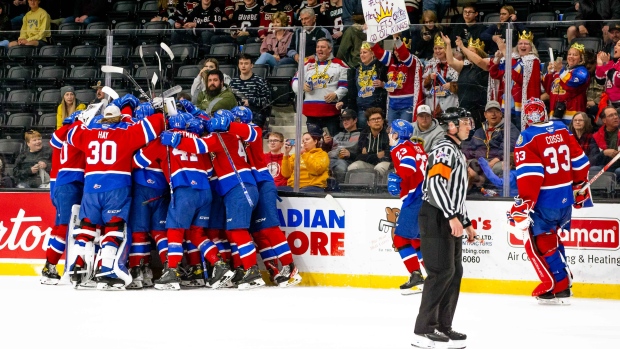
(37, 316)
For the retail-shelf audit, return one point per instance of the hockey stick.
(334, 205)
(245, 190)
(119, 70)
(600, 173)
(161, 83)
(110, 92)
(171, 55)
(146, 68)
(172, 91)
(148, 201)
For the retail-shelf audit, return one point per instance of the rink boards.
(355, 250)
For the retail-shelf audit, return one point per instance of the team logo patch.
(441, 155)
(150, 181)
(96, 186)
(519, 140)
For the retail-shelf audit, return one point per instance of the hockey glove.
(189, 107)
(581, 192)
(143, 110)
(71, 118)
(219, 124)
(170, 138)
(393, 184)
(127, 100)
(519, 214)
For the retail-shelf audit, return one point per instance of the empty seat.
(361, 179)
(153, 32)
(48, 101)
(147, 11)
(590, 43)
(281, 93)
(49, 77)
(492, 18)
(50, 55)
(82, 77)
(17, 78)
(120, 54)
(186, 74)
(122, 10)
(252, 49)
(85, 96)
(16, 125)
(67, 33)
(223, 52)
(125, 32)
(10, 149)
(19, 55)
(230, 70)
(148, 53)
(184, 53)
(20, 98)
(261, 70)
(82, 55)
(605, 185)
(95, 33)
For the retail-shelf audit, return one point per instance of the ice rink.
(37, 316)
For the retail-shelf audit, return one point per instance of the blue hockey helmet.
(179, 121)
(196, 126)
(225, 114)
(403, 128)
(244, 114)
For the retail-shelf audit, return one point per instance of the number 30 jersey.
(109, 149)
(549, 160)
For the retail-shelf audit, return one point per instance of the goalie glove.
(582, 195)
(519, 214)
(393, 183)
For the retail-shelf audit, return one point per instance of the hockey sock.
(407, 253)
(267, 254)
(161, 241)
(192, 253)
(140, 248)
(56, 244)
(220, 239)
(280, 246)
(245, 247)
(175, 246)
(198, 237)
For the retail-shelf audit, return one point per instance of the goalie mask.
(535, 111)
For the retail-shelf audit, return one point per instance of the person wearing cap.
(426, 130)
(68, 105)
(341, 146)
(614, 37)
(99, 94)
(488, 142)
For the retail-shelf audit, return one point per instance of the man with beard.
(216, 96)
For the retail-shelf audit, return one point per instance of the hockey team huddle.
(197, 183)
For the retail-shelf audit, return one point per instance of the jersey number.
(192, 157)
(104, 152)
(64, 156)
(553, 155)
(241, 151)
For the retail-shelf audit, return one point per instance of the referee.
(442, 220)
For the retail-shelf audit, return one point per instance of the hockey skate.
(81, 275)
(457, 340)
(169, 280)
(414, 285)
(107, 282)
(289, 276)
(431, 340)
(193, 277)
(220, 276)
(560, 298)
(136, 275)
(49, 275)
(273, 272)
(147, 276)
(251, 279)
(234, 281)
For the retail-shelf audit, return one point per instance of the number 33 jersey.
(549, 160)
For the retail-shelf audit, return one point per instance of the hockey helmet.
(456, 116)
(179, 121)
(535, 111)
(196, 126)
(243, 114)
(403, 128)
(223, 113)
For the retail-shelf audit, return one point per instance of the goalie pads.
(113, 259)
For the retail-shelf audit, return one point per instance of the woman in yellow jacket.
(68, 104)
(314, 165)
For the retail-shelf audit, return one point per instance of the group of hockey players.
(196, 184)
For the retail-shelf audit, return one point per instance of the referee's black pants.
(442, 254)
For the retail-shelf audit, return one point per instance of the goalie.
(552, 174)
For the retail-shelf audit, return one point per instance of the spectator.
(440, 80)
(184, 96)
(87, 12)
(313, 34)
(581, 128)
(365, 85)
(567, 86)
(404, 80)
(6, 181)
(608, 139)
(35, 29)
(341, 146)
(313, 165)
(349, 50)
(525, 74)
(330, 17)
(488, 142)
(246, 20)
(216, 96)
(314, 5)
(325, 85)
(32, 166)
(277, 43)
(253, 91)
(230, 6)
(273, 158)
(99, 94)
(199, 81)
(471, 29)
(614, 37)
(5, 25)
(422, 36)
(203, 22)
(349, 9)
(169, 11)
(373, 147)
(427, 131)
(591, 13)
(68, 105)
(594, 92)
(17, 10)
(497, 31)
(474, 85)
(606, 71)
(266, 15)
(440, 7)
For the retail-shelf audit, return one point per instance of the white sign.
(384, 18)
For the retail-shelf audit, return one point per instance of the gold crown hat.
(407, 42)
(439, 41)
(527, 36)
(579, 47)
(365, 45)
(479, 44)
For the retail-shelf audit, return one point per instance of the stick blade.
(167, 49)
(334, 205)
(112, 69)
(110, 92)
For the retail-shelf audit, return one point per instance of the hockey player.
(107, 192)
(235, 184)
(410, 164)
(552, 173)
(190, 206)
(264, 226)
(66, 188)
